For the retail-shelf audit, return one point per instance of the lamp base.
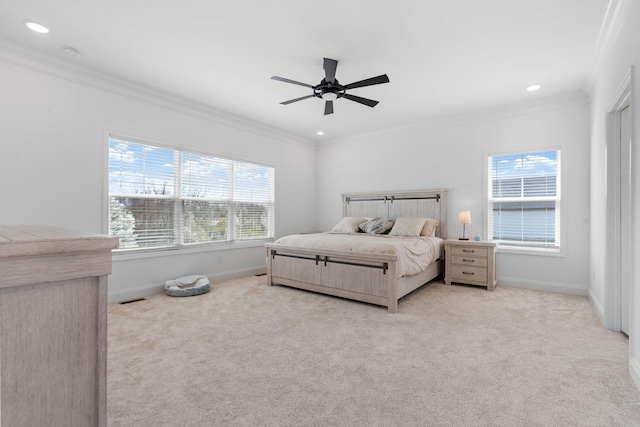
(463, 238)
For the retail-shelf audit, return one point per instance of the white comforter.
(414, 253)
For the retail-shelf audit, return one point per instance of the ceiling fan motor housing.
(329, 91)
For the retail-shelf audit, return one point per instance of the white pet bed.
(187, 286)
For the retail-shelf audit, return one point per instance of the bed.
(365, 266)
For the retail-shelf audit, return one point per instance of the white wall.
(622, 53)
(452, 155)
(53, 158)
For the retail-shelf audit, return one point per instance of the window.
(163, 198)
(524, 199)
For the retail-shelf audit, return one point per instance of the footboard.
(362, 277)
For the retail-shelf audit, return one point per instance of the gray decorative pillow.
(376, 226)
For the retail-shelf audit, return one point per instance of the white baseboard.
(634, 370)
(561, 288)
(597, 306)
(158, 288)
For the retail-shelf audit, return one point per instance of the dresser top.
(27, 240)
(470, 243)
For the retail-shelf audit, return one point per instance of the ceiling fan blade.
(328, 107)
(369, 82)
(296, 100)
(369, 102)
(282, 79)
(330, 66)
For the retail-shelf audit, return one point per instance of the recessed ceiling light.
(533, 88)
(320, 133)
(38, 28)
(71, 50)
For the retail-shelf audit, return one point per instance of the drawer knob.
(471, 251)
(468, 260)
(467, 272)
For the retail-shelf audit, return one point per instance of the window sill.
(519, 250)
(128, 255)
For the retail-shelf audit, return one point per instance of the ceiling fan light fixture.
(34, 26)
(329, 96)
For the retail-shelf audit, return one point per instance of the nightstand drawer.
(469, 251)
(468, 260)
(461, 272)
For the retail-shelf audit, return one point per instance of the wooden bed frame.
(363, 277)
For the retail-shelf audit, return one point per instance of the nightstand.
(470, 262)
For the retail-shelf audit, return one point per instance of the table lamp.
(464, 218)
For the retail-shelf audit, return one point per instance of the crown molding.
(611, 26)
(25, 57)
(620, 98)
(542, 105)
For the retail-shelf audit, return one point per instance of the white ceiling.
(443, 57)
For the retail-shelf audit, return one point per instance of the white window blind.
(253, 196)
(524, 199)
(142, 194)
(218, 199)
(206, 198)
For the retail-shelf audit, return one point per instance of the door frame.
(613, 290)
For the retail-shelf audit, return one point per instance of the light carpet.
(248, 354)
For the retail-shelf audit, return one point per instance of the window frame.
(179, 246)
(503, 247)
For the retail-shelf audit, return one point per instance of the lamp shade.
(464, 217)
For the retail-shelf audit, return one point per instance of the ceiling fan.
(330, 89)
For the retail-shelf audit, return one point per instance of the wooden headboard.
(394, 204)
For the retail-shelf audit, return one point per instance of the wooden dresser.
(53, 332)
(470, 262)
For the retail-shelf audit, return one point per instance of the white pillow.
(429, 228)
(348, 224)
(408, 227)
